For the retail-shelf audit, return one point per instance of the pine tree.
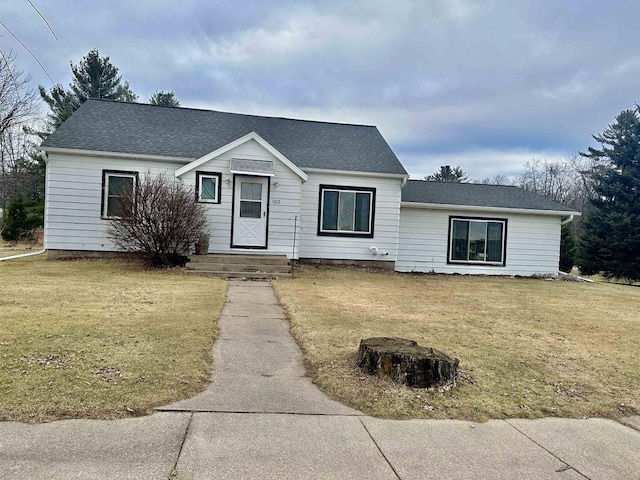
(168, 99)
(610, 242)
(97, 77)
(61, 102)
(567, 249)
(93, 77)
(448, 174)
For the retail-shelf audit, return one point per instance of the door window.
(250, 199)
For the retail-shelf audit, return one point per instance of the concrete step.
(245, 275)
(233, 267)
(240, 259)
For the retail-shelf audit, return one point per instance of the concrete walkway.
(257, 364)
(262, 418)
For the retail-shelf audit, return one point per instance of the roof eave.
(98, 153)
(357, 173)
(479, 208)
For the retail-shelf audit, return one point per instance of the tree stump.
(406, 362)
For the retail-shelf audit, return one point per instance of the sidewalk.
(262, 418)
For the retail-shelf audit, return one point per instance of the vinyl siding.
(386, 221)
(284, 202)
(74, 199)
(416, 239)
(74, 196)
(533, 243)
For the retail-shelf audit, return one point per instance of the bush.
(160, 219)
(21, 218)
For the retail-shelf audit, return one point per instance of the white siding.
(533, 243)
(74, 194)
(386, 221)
(284, 202)
(74, 199)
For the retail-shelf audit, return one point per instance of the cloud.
(482, 84)
(478, 164)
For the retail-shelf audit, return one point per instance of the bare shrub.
(159, 219)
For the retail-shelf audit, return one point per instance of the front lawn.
(8, 249)
(527, 348)
(101, 338)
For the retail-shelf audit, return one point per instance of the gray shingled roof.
(474, 194)
(108, 126)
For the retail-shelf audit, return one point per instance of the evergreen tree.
(15, 222)
(448, 174)
(567, 249)
(610, 242)
(61, 102)
(168, 99)
(97, 77)
(93, 77)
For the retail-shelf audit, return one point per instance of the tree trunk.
(406, 362)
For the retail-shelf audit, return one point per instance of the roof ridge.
(108, 100)
(466, 183)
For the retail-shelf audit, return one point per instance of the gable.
(247, 139)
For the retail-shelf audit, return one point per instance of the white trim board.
(129, 156)
(236, 143)
(357, 173)
(477, 208)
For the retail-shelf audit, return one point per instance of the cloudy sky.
(485, 84)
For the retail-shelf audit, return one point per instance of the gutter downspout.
(569, 219)
(23, 255)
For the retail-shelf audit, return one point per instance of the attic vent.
(262, 168)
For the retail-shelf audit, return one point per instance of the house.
(341, 184)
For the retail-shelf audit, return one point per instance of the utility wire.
(43, 19)
(29, 51)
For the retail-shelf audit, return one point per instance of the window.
(250, 199)
(346, 211)
(477, 240)
(115, 186)
(208, 187)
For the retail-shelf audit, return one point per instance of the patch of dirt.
(109, 374)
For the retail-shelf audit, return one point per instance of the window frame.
(202, 174)
(347, 233)
(484, 263)
(106, 174)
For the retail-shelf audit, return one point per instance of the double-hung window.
(116, 187)
(477, 240)
(208, 187)
(346, 211)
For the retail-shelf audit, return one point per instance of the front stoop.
(251, 267)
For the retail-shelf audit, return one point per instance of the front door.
(250, 202)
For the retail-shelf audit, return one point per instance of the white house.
(341, 184)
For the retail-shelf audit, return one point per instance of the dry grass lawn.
(101, 339)
(8, 249)
(531, 348)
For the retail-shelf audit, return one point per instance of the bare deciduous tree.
(499, 179)
(19, 174)
(159, 219)
(552, 179)
(568, 181)
(18, 103)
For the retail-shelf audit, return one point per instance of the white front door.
(251, 199)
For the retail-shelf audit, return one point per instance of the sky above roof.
(488, 85)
